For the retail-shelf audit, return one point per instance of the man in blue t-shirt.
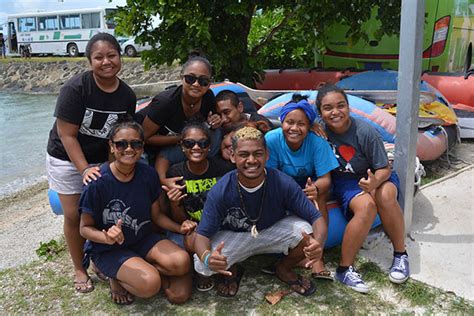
(245, 214)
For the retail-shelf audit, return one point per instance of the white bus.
(63, 32)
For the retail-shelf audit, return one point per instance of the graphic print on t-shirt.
(98, 123)
(347, 153)
(197, 193)
(116, 209)
(236, 220)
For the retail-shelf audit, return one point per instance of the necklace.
(125, 174)
(253, 230)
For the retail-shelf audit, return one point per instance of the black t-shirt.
(81, 102)
(197, 186)
(166, 110)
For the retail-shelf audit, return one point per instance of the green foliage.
(49, 250)
(240, 37)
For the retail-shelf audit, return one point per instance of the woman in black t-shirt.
(171, 109)
(87, 107)
(197, 175)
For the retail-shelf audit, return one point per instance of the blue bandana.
(307, 108)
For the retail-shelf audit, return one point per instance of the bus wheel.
(130, 51)
(72, 50)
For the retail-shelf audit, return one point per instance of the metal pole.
(408, 100)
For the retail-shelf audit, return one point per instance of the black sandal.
(299, 282)
(204, 283)
(228, 280)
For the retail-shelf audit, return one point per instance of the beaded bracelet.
(203, 254)
(206, 260)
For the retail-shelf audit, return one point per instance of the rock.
(34, 77)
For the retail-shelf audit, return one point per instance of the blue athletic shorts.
(345, 189)
(109, 262)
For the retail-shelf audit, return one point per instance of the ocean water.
(25, 121)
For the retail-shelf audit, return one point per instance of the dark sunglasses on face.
(203, 81)
(190, 143)
(123, 144)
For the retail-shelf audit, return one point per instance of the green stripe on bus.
(77, 36)
(91, 33)
(57, 35)
(41, 38)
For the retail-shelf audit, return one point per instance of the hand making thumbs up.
(218, 262)
(114, 234)
(312, 249)
(311, 190)
(369, 184)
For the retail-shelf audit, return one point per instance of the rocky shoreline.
(47, 77)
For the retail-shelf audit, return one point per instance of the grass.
(45, 286)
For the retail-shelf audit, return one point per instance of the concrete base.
(441, 242)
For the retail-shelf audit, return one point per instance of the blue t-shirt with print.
(223, 209)
(313, 159)
(109, 199)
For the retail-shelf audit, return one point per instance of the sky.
(8, 7)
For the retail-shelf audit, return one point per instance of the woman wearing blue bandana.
(303, 155)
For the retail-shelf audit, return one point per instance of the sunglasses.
(190, 143)
(203, 81)
(123, 144)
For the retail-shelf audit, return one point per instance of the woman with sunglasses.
(118, 211)
(87, 107)
(171, 109)
(199, 174)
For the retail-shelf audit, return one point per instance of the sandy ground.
(26, 218)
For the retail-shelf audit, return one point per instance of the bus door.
(12, 40)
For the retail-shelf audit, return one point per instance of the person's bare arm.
(68, 134)
(151, 138)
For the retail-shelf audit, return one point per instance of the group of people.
(223, 186)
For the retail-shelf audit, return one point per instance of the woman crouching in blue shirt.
(117, 216)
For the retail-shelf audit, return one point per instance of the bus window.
(68, 22)
(47, 23)
(109, 18)
(26, 24)
(90, 20)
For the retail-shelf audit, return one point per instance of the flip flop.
(235, 278)
(204, 283)
(323, 275)
(84, 286)
(299, 281)
(270, 269)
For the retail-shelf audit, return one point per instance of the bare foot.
(118, 294)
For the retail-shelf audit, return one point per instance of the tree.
(243, 36)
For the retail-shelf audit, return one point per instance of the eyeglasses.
(190, 143)
(203, 81)
(123, 144)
